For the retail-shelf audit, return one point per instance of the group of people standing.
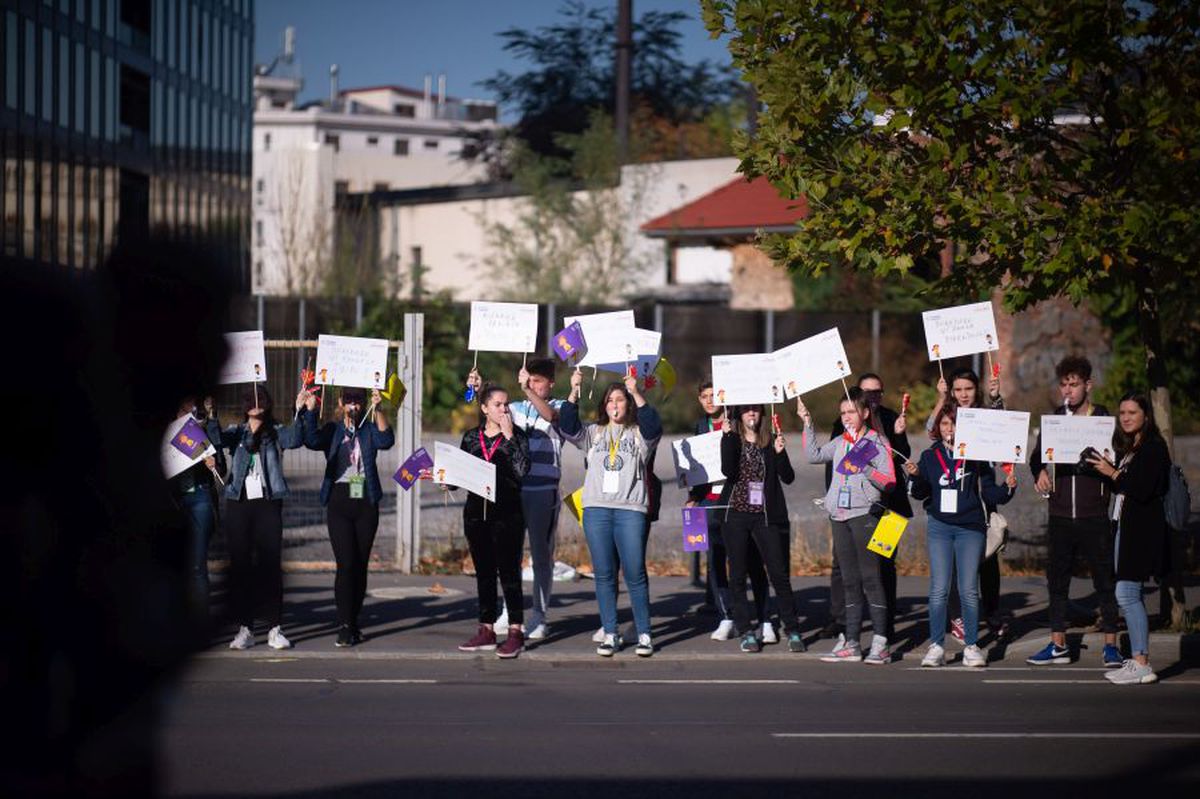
(1110, 510)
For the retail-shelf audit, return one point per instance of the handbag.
(995, 524)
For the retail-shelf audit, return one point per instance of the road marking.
(287, 679)
(387, 682)
(708, 682)
(1103, 736)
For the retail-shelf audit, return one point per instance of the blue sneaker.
(1112, 657)
(1050, 654)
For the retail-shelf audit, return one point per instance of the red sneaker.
(484, 640)
(513, 645)
(958, 630)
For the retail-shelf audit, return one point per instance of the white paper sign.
(452, 466)
(982, 434)
(647, 345)
(746, 380)
(962, 330)
(611, 338)
(811, 363)
(247, 359)
(352, 361)
(503, 327)
(698, 459)
(1065, 437)
(175, 462)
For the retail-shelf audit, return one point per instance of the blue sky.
(374, 42)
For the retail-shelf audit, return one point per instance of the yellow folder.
(574, 503)
(886, 537)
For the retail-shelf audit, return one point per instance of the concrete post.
(410, 367)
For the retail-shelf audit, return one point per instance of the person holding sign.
(495, 530)
(957, 496)
(254, 513)
(195, 490)
(864, 474)
(350, 492)
(1079, 498)
(619, 449)
(755, 464)
(1139, 482)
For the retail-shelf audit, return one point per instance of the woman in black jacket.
(755, 463)
(1139, 481)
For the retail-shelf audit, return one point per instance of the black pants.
(1092, 537)
(738, 530)
(496, 545)
(887, 574)
(254, 532)
(989, 587)
(352, 527)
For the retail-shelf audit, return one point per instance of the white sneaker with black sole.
(598, 636)
(645, 648)
(538, 633)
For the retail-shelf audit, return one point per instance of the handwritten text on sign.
(503, 327)
(247, 359)
(454, 467)
(983, 434)
(962, 330)
(745, 379)
(811, 363)
(1065, 437)
(351, 361)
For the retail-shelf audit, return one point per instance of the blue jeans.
(949, 545)
(201, 516)
(611, 533)
(1129, 598)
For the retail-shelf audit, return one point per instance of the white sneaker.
(538, 633)
(935, 657)
(973, 657)
(768, 634)
(645, 648)
(879, 654)
(277, 640)
(724, 630)
(1131, 673)
(243, 640)
(598, 636)
(500, 626)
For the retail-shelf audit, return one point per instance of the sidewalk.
(427, 617)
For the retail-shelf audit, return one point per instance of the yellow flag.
(395, 391)
(886, 537)
(666, 373)
(574, 503)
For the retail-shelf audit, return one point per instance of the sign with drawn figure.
(983, 434)
(746, 379)
(503, 327)
(174, 461)
(351, 361)
(811, 363)
(452, 466)
(698, 459)
(1064, 438)
(695, 530)
(961, 330)
(569, 343)
(410, 471)
(646, 346)
(247, 358)
(610, 337)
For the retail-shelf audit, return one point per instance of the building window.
(400, 147)
(334, 140)
(404, 110)
(372, 141)
(431, 144)
(266, 142)
(260, 185)
(258, 230)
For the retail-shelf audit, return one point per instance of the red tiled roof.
(740, 205)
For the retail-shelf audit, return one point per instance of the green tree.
(1055, 144)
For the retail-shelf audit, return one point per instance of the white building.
(370, 139)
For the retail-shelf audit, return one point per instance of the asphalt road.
(792, 726)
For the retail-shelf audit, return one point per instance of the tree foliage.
(1055, 144)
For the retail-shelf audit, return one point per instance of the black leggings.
(254, 532)
(496, 545)
(352, 527)
(738, 530)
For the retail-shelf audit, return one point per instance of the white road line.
(387, 682)
(1103, 736)
(287, 679)
(708, 682)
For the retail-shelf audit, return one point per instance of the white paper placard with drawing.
(452, 466)
(698, 459)
(983, 434)
(503, 327)
(746, 379)
(961, 330)
(247, 359)
(811, 363)
(611, 338)
(351, 361)
(646, 346)
(1065, 437)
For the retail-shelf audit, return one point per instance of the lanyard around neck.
(487, 455)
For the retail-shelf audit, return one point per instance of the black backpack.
(1178, 502)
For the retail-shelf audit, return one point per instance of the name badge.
(843, 499)
(1118, 503)
(356, 486)
(612, 482)
(756, 493)
(254, 487)
(949, 501)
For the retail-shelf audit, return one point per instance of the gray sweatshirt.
(866, 487)
(634, 446)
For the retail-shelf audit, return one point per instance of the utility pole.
(624, 74)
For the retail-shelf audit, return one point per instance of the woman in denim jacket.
(254, 513)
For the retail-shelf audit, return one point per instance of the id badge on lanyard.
(254, 486)
(357, 482)
(756, 493)
(843, 498)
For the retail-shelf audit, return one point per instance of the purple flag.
(695, 530)
(856, 460)
(410, 470)
(191, 439)
(569, 343)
